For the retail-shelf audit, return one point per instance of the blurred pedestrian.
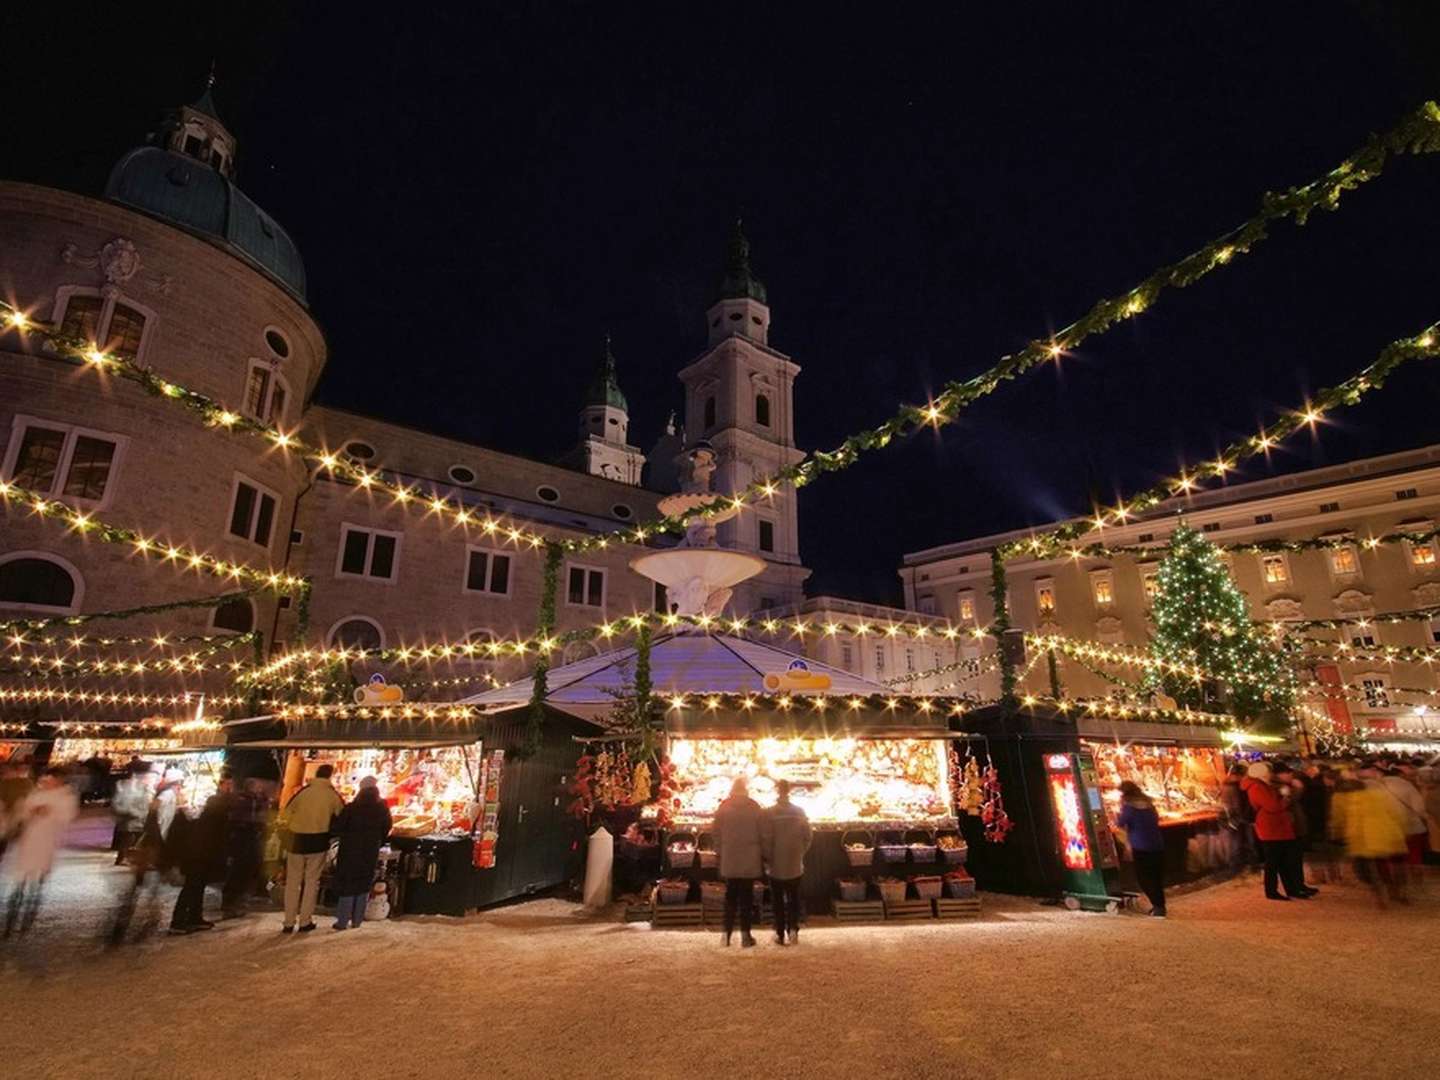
(1429, 782)
(1364, 820)
(15, 784)
(785, 834)
(1319, 788)
(1239, 818)
(309, 817)
(1141, 823)
(43, 816)
(362, 827)
(197, 849)
(244, 835)
(1275, 832)
(131, 805)
(741, 850)
(1410, 809)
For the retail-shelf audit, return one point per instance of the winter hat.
(1258, 770)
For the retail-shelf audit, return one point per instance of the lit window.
(1045, 598)
(62, 461)
(1376, 690)
(1150, 580)
(488, 572)
(37, 584)
(1275, 570)
(368, 553)
(967, 608)
(252, 512)
(1103, 587)
(1343, 562)
(586, 586)
(1423, 555)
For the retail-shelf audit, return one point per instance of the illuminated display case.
(428, 789)
(1183, 781)
(197, 770)
(838, 782)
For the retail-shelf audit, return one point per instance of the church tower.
(739, 397)
(604, 448)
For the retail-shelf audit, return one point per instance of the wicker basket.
(672, 892)
(859, 847)
(921, 843)
(958, 888)
(648, 844)
(680, 851)
(852, 890)
(892, 890)
(927, 886)
(955, 855)
(891, 849)
(706, 853)
(712, 892)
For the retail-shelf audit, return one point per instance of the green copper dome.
(605, 387)
(740, 282)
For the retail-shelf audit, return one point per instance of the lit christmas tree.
(1202, 621)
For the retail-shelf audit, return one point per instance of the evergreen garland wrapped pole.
(545, 627)
(999, 592)
(1056, 690)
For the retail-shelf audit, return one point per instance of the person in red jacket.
(1275, 832)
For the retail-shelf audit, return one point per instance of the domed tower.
(604, 448)
(178, 270)
(739, 396)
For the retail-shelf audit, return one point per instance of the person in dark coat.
(362, 827)
(197, 847)
(739, 845)
(242, 848)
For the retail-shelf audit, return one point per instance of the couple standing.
(748, 838)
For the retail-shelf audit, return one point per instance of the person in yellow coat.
(1361, 818)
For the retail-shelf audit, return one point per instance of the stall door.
(541, 834)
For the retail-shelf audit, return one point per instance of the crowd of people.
(238, 840)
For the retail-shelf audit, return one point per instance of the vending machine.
(1087, 848)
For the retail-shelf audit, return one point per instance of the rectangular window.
(82, 318)
(847, 656)
(1376, 692)
(59, 460)
(277, 403)
(257, 388)
(368, 553)
(1422, 556)
(1102, 585)
(1361, 635)
(967, 608)
(252, 512)
(586, 586)
(926, 604)
(1150, 581)
(1210, 526)
(1045, 598)
(1275, 570)
(1434, 628)
(909, 660)
(662, 599)
(1264, 519)
(879, 659)
(767, 535)
(1344, 562)
(1145, 538)
(127, 327)
(1329, 508)
(1408, 493)
(488, 572)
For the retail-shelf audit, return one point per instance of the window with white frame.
(39, 582)
(265, 394)
(879, 659)
(368, 553)
(1275, 571)
(926, 604)
(1422, 554)
(1344, 561)
(111, 324)
(1045, 598)
(585, 586)
(357, 632)
(847, 656)
(252, 511)
(1150, 582)
(1102, 587)
(487, 571)
(1360, 634)
(1376, 689)
(966, 606)
(63, 461)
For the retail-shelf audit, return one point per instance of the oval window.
(462, 475)
(547, 493)
(623, 512)
(277, 343)
(360, 451)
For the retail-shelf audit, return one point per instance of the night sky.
(481, 195)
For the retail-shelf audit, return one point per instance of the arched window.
(357, 632)
(236, 614)
(762, 410)
(578, 650)
(34, 581)
(709, 412)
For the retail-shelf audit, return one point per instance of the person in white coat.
(42, 818)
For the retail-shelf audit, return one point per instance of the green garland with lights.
(545, 626)
(1202, 619)
(999, 594)
(41, 625)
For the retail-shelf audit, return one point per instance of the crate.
(858, 910)
(946, 908)
(910, 909)
(641, 912)
(852, 892)
(959, 888)
(665, 916)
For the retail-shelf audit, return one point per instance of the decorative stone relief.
(1283, 609)
(1353, 602)
(1428, 594)
(119, 261)
(1110, 630)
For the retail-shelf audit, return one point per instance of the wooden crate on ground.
(639, 912)
(909, 909)
(950, 908)
(859, 910)
(668, 915)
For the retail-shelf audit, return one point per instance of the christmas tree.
(1202, 622)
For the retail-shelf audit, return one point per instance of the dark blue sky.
(923, 192)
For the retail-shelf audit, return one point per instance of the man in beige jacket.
(308, 816)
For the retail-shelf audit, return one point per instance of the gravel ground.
(1230, 985)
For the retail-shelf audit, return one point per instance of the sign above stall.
(797, 678)
(377, 692)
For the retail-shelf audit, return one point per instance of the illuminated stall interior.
(196, 767)
(1183, 781)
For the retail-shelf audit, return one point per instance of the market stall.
(192, 760)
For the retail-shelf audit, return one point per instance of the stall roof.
(321, 743)
(688, 663)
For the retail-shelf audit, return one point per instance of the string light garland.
(64, 696)
(378, 712)
(925, 705)
(195, 660)
(1326, 542)
(971, 665)
(1062, 539)
(1365, 622)
(184, 558)
(21, 639)
(1117, 710)
(1346, 653)
(39, 626)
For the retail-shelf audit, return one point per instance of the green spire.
(605, 387)
(205, 103)
(740, 282)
